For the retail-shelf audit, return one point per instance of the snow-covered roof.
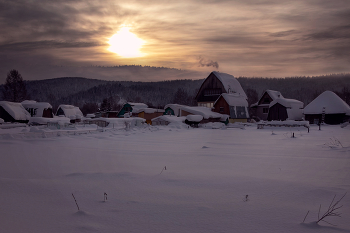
(170, 118)
(137, 106)
(147, 110)
(194, 118)
(16, 110)
(274, 94)
(230, 83)
(288, 103)
(331, 103)
(175, 107)
(234, 99)
(40, 106)
(71, 111)
(203, 111)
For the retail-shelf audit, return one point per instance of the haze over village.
(186, 116)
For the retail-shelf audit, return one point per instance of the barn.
(234, 105)
(329, 108)
(38, 109)
(13, 112)
(216, 84)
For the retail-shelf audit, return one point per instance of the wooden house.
(216, 84)
(13, 112)
(261, 108)
(71, 112)
(38, 109)
(282, 109)
(329, 108)
(233, 105)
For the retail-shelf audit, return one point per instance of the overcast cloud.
(271, 38)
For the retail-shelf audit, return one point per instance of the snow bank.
(1, 121)
(45, 120)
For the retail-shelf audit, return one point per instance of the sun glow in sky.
(126, 44)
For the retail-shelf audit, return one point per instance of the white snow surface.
(332, 102)
(230, 83)
(136, 107)
(164, 179)
(16, 110)
(203, 111)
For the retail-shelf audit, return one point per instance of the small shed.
(149, 113)
(234, 105)
(13, 112)
(70, 111)
(282, 109)
(38, 109)
(329, 108)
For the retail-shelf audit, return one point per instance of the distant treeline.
(88, 94)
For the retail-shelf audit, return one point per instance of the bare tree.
(14, 88)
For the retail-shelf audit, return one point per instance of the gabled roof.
(332, 103)
(288, 103)
(230, 83)
(273, 94)
(136, 107)
(71, 111)
(234, 100)
(16, 110)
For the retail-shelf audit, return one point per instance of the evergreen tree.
(14, 88)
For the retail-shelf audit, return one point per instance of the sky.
(253, 38)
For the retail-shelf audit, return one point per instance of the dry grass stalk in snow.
(331, 211)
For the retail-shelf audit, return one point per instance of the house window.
(221, 109)
(265, 110)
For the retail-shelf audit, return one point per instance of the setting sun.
(126, 44)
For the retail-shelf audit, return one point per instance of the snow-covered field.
(208, 175)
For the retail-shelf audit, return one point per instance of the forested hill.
(83, 91)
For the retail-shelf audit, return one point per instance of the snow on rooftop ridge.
(331, 103)
(16, 110)
(274, 94)
(230, 83)
(39, 106)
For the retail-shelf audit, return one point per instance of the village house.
(273, 106)
(38, 109)
(329, 108)
(233, 105)
(216, 84)
(13, 112)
